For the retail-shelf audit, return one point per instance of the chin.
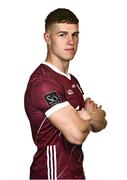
(69, 58)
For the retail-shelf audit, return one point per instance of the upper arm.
(45, 94)
(49, 97)
(70, 124)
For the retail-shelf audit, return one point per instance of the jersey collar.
(57, 70)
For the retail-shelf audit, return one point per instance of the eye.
(75, 35)
(62, 34)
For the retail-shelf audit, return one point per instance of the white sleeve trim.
(56, 108)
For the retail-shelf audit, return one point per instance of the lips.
(69, 49)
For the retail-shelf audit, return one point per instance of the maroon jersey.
(49, 90)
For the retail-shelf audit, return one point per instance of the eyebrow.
(77, 32)
(65, 32)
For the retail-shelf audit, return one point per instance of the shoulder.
(40, 72)
(43, 79)
(41, 75)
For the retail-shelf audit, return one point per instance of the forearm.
(85, 129)
(84, 124)
(97, 120)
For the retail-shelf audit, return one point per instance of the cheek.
(76, 42)
(58, 44)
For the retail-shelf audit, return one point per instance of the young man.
(60, 119)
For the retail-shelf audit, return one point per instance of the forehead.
(70, 28)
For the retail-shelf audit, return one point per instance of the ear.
(46, 37)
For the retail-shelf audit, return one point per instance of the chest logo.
(69, 91)
(73, 86)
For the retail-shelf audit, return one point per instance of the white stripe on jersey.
(51, 162)
(56, 107)
(48, 162)
(55, 165)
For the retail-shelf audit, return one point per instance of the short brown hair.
(60, 15)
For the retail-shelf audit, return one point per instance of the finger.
(100, 107)
(96, 106)
(87, 99)
(93, 103)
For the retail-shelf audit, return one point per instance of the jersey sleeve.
(48, 96)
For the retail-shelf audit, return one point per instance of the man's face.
(63, 40)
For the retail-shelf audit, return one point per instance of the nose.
(70, 40)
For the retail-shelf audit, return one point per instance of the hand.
(84, 114)
(98, 115)
(96, 112)
(91, 106)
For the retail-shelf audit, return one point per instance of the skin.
(62, 42)
(97, 115)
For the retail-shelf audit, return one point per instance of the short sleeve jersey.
(47, 91)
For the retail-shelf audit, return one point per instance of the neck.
(60, 64)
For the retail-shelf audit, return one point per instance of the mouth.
(69, 49)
